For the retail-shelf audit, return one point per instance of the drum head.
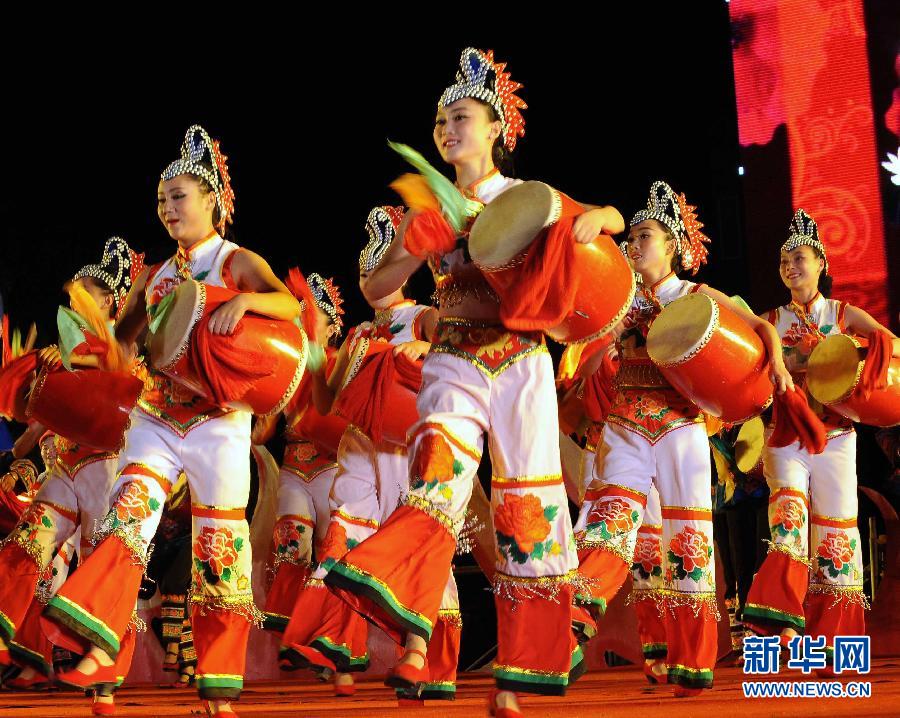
(834, 369)
(682, 329)
(167, 345)
(749, 445)
(510, 223)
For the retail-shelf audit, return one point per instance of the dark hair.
(206, 188)
(501, 156)
(826, 281)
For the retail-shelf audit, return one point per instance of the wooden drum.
(505, 233)
(257, 368)
(832, 377)
(712, 356)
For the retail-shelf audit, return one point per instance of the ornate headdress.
(680, 219)
(327, 298)
(201, 157)
(381, 226)
(804, 230)
(482, 78)
(118, 268)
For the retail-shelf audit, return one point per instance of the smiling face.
(185, 209)
(800, 268)
(464, 132)
(650, 248)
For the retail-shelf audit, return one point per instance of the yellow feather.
(83, 303)
(415, 192)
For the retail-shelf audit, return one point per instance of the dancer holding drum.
(593, 389)
(478, 377)
(75, 493)
(173, 430)
(813, 503)
(373, 473)
(656, 437)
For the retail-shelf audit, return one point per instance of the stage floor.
(612, 693)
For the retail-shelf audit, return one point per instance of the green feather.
(71, 328)
(161, 311)
(453, 204)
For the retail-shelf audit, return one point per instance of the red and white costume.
(812, 507)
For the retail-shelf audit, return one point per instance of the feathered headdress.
(803, 230)
(201, 157)
(482, 78)
(680, 218)
(381, 226)
(118, 268)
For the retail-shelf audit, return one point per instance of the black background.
(614, 103)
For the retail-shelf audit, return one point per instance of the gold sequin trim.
(697, 602)
(851, 595)
(787, 551)
(451, 616)
(523, 588)
(128, 534)
(425, 506)
(619, 549)
(241, 605)
(479, 364)
(653, 438)
(528, 671)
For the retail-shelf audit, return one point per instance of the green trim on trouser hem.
(275, 622)
(599, 603)
(772, 617)
(691, 678)
(340, 655)
(84, 624)
(343, 577)
(7, 628)
(30, 658)
(438, 692)
(530, 682)
(654, 650)
(219, 687)
(578, 667)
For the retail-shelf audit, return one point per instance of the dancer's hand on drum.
(225, 319)
(414, 350)
(589, 224)
(50, 356)
(781, 378)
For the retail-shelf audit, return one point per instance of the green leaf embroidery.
(826, 329)
(696, 574)
(634, 515)
(457, 467)
(538, 552)
(201, 276)
(352, 543)
(657, 571)
(226, 575)
(550, 512)
(47, 522)
(238, 544)
(154, 504)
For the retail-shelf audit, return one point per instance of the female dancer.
(478, 377)
(75, 494)
(173, 430)
(372, 476)
(826, 516)
(656, 437)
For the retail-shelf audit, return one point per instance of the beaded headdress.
(381, 226)
(201, 157)
(327, 297)
(804, 231)
(118, 268)
(482, 78)
(680, 219)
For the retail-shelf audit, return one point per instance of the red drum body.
(712, 356)
(504, 236)
(176, 352)
(87, 406)
(399, 411)
(832, 377)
